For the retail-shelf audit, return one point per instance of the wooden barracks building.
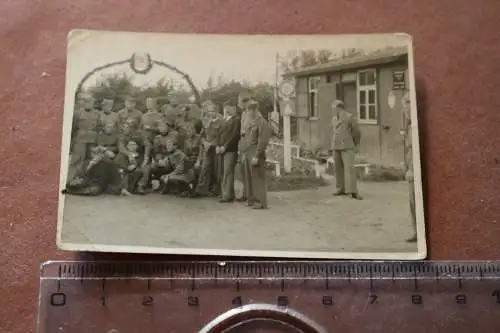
(371, 87)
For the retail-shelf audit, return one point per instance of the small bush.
(380, 173)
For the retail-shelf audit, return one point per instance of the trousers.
(228, 169)
(345, 172)
(255, 180)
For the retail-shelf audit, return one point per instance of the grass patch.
(381, 173)
(293, 182)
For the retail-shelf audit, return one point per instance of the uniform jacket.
(144, 144)
(125, 114)
(109, 118)
(108, 141)
(256, 137)
(86, 124)
(181, 165)
(345, 131)
(230, 134)
(213, 131)
(150, 119)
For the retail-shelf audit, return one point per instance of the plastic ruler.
(270, 297)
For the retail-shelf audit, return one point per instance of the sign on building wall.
(398, 80)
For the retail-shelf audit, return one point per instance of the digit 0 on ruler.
(308, 297)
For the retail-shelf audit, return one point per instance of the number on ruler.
(416, 299)
(237, 301)
(58, 299)
(282, 301)
(461, 299)
(373, 299)
(147, 301)
(496, 293)
(327, 300)
(193, 301)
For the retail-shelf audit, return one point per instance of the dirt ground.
(306, 220)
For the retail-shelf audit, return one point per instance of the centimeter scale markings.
(185, 297)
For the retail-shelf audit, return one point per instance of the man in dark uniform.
(254, 141)
(228, 149)
(131, 133)
(129, 112)
(86, 124)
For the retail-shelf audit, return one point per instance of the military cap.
(253, 104)
(338, 104)
(107, 101)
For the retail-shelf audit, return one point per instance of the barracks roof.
(379, 57)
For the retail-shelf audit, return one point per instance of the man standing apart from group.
(345, 144)
(228, 149)
(254, 141)
(409, 166)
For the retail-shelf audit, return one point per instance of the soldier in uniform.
(107, 115)
(151, 118)
(241, 110)
(209, 175)
(108, 138)
(180, 178)
(345, 143)
(132, 134)
(409, 166)
(228, 149)
(129, 112)
(86, 124)
(254, 141)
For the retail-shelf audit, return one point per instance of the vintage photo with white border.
(296, 146)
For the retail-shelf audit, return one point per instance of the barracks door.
(326, 96)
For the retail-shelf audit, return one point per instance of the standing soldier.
(210, 169)
(151, 118)
(243, 99)
(345, 144)
(107, 115)
(86, 124)
(409, 166)
(228, 149)
(129, 112)
(254, 141)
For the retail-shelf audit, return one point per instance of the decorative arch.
(142, 64)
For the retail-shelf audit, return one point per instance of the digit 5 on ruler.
(308, 297)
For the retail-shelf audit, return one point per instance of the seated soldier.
(108, 139)
(159, 162)
(129, 167)
(180, 179)
(99, 176)
(142, 148)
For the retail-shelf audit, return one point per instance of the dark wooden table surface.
(457, 45)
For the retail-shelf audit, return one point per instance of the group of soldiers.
(168, 150)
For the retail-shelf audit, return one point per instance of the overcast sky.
(240, 57)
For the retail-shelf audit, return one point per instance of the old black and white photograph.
(298, 146)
